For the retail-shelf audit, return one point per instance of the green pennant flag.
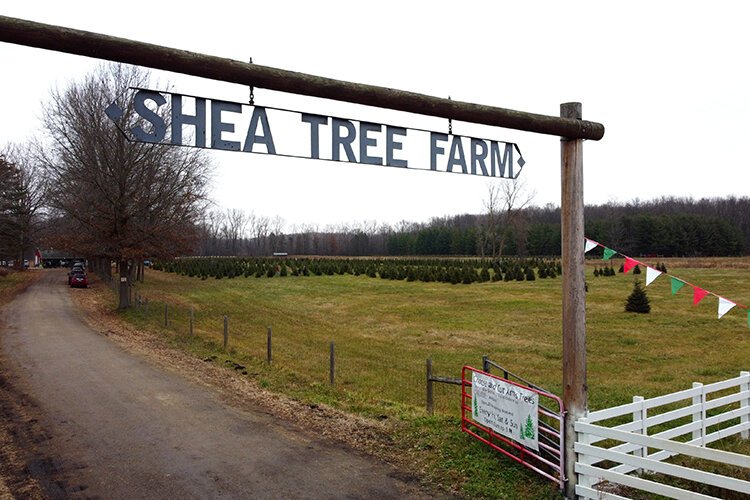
(676, 285)
(748, 318)
(608, 253)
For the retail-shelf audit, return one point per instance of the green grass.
(384, 330)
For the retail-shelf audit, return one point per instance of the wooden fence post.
(333, 364)
(430, 395)
(744, 403)
(192, 319)
(486, 364)
(226, 332)
(269, 351)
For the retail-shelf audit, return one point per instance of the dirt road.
(119, 427)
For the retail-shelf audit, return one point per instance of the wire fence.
(348, 369)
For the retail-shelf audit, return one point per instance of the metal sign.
(508, 409)
(181, 120)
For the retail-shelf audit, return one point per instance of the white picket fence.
(708, 420)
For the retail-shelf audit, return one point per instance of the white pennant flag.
(724, 306)
(590, 245)
(651, 275)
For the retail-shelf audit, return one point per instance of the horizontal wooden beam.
(85, 43)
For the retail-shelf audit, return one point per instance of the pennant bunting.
(676, 285)
(724, 306)
(698, 294)
(608, 253)
(590, 245)
(651, 275)
(629, 264)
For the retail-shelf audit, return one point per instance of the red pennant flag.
(629, 264)
(698, 294)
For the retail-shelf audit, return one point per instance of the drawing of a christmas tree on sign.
(527, 430)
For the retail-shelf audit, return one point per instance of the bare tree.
(503, 206)
(124, 200)
(209, 232)
(234, 227)
(260, 232)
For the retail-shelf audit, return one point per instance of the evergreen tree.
(484, 274)
(410, 275)
(638, 300)
(622, 268)
(530, 276)
(637, 269)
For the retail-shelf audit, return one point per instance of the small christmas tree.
(638, 301)
(530, 276)
(484, 274)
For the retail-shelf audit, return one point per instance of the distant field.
(384, 330)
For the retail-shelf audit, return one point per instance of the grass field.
(12, 283)
(384, 330)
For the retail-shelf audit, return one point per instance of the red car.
(78, 280)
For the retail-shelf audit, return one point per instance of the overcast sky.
(668, 80)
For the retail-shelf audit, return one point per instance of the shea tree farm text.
(232, 126)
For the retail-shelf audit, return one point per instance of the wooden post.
(575, 388)
(192, 319)
(226, 332)
(430, 395)
(486, 364)
(333, 364)
(86, 43)
(269, 352)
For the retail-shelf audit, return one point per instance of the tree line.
(666, 227)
